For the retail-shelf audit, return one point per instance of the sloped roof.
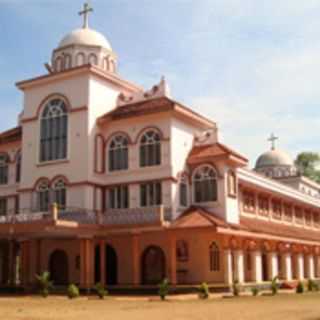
(198, 217)
(14, 134)
(213, 150)
(148, 107)
(277, 229)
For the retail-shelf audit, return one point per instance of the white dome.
(85, 36)
(274, 158)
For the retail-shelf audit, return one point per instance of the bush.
(300, 287)
(236, 288)
(44, 283)
(316, 286)
(274, 285)
(73, 291)
(163, 289)
(312, 285)
(204, 291)
(100, 290)
(255, 291)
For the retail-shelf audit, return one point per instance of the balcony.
(111, 217)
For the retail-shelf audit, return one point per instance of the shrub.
(44, 283)
(204, 291)
(100, 290)
(300, 287)
(255, 291)
(163, 289)
(312, 285)
(274, 285)
(73, 291)
(236, 288)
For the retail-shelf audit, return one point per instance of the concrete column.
(227, 259)
(272, 265)
(102, 248)
(317, 267)
(86, 263)
(172, 260)
(310, 266)
(257, 266)
(239, 266)
(287, 267)
(135, 260)
(299, 263)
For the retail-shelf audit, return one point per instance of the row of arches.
(153, 266)
(67, 61)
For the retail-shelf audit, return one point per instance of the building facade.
(103, 181)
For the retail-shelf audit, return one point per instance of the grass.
(283, 306)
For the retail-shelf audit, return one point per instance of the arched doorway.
(264, 261)
(153, 265)
(111, 266)
(97, 259)
(58, 266)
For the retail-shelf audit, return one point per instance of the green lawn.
(283, 306)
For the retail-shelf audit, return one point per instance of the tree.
(308, 163)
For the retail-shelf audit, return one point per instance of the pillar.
(135, 260)
(317, 269)
(102, 247)
(227, 259)
(172, 260)
(272, 265)
(310, 266)
(287, 266)
(239, 266)
(299, 263)
(257, 266)
(86, 263)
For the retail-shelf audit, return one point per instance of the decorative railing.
(130, 216)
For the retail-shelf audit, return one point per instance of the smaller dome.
(85, 36)
(273, 158)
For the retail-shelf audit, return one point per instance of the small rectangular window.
(3, 206)
(150, 194)
(118, 197)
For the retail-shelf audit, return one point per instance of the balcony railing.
(116, 217)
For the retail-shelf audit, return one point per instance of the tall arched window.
(18, 167)
(214, 254)
(183, 192)
(60, 193)
(118, 153)
(205, 184)
(93, 59)
(67, 61)
(43, 196)
(4, 167)
(150, 149)
(54, 128)
(80, 59)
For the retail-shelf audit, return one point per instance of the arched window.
(205, 184)
(54, 127)
(4, 167)
(18, 167)
(58, 64)
(80, 59)
(93, 59)
(214, 257)
(43, 196)
(60, 193)
(118, 153)
(150, 149)
(67, 61)
(106, 64)
(183, 192)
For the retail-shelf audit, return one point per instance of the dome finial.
(85, 13)
(273, 140)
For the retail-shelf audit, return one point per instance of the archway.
(264, 261)
(111, 266)
(153, 265)
(97, 259)
(58, 266)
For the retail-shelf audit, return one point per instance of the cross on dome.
(273, 139)
(85, 13)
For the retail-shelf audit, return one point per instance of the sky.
(251, 66)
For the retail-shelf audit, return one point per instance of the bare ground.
(283, 306)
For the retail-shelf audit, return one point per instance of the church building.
(104, 181)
